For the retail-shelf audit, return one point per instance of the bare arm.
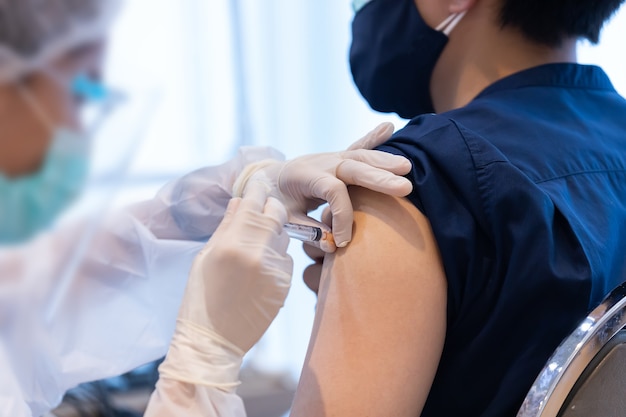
(381, 317)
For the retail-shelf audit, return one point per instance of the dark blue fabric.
(392, 64)
(525, 188)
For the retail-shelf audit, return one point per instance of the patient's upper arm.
(380, 321)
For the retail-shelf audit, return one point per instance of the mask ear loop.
(36, 106)
(450, 23)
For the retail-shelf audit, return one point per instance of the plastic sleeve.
(100, 297)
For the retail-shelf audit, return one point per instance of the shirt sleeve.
(446, 191)
(508, 250)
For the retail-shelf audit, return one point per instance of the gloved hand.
(191, 207)
(312, 274)
(236, 287)
(305, 183)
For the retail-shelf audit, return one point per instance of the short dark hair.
(549, 22)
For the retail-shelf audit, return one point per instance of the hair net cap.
(35, 32)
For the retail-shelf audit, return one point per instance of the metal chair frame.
(564, 368)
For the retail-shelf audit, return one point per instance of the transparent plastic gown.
(76, 309)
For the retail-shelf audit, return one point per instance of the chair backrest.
(586, 375)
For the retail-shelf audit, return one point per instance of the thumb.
(231, 210)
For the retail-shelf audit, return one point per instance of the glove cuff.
(201, 357)
(241, 182)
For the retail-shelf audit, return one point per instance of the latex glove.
(305, 183)
(312, 274)
(191, 207)
(236, 287)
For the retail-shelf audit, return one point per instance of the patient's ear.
(458, 6)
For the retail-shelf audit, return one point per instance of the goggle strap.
(36, 106)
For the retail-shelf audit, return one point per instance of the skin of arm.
(380, 322)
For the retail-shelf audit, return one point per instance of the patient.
(448, 303)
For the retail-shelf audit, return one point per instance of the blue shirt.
(525, 189)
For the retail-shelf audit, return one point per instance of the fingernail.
(383, 129)
(402, 161)
(342, 244)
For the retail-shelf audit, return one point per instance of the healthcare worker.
(83, 303)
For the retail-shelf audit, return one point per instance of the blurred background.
(204, 77)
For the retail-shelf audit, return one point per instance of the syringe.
(303, 232)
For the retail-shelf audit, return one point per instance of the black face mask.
(393, 55)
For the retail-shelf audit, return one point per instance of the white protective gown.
(117, 309)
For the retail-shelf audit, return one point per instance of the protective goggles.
(358, 4)
(96, 100)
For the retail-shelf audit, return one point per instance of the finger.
(285, 266)
(255, 196)
(376, 137)
(280, 243)
(312, 275)
(276, 212)
(313, 252)
(335, 192)
(232, 207)
(378, 159)
(229, 215)
(379, 180)
(327, 216)
(231, 210)
(327, 242)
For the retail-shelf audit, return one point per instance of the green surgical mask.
(31, 203)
